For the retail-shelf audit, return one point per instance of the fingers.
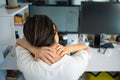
(50, 53)
(60, 49)
(46, 60)
(51, 59)
(48, 48)
(62, 53)
(45, 55)
(59, 46)
(37, 59)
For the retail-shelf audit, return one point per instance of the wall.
(2, 72)
(2, 2)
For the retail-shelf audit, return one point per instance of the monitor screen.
(65, 17)
(100, 17)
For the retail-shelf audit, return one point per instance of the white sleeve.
(82, 56)
(76, 64)
(23, 57)
(79, 63)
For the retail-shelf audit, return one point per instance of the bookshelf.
(8, 38)
(7, 22)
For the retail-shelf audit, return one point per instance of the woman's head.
(39, 31)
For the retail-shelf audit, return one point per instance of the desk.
(8, 32)
(110, 61)
(97, 61)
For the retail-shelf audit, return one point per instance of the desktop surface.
(100, 61)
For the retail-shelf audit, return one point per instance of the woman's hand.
(45, 54)
(49, 55)
(62, 50)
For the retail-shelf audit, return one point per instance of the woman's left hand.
(62, 50)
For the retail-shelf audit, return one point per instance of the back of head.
(38, 31)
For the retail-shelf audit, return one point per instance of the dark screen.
(65, 17)
(100, 17)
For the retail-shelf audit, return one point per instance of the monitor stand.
(96, 42)
(99, 42)
(118, 38)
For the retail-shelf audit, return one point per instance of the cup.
(12, 3)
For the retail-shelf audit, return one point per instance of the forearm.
(25, 44)
(77, 47)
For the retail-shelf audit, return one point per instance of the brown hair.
(38, 31)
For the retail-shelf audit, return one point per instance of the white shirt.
(67, 68)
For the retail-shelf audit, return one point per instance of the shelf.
(11, 12)
(7, 23)
(10, 62)
(19, 29)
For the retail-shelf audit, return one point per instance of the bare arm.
(72, 48)
(77, 47)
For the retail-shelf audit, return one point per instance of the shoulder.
(82, 53)
(22, 52)
(20, 49)
(24, 58)
(81, 58)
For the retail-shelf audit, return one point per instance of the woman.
(40, 31)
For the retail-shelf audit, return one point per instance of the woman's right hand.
(45, 54)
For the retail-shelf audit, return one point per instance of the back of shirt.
(67, 68)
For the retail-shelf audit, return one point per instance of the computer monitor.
(64, 16)
(100, 17)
